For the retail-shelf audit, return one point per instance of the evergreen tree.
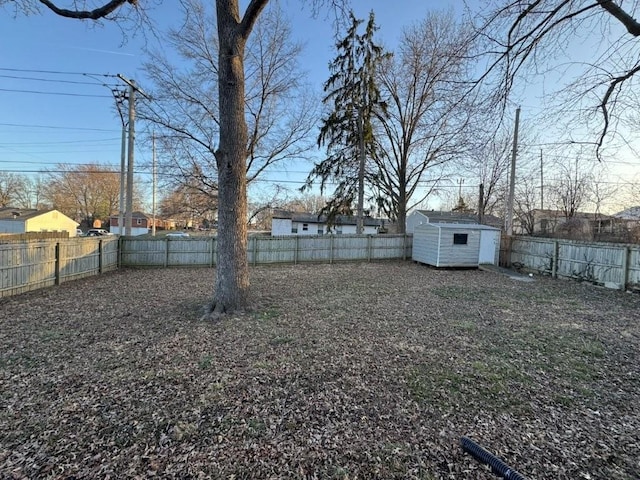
(353, 96)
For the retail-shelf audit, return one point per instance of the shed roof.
(438, 216)
(458, 226)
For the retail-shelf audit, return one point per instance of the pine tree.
(353, 96)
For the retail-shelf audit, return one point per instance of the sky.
(57, 76)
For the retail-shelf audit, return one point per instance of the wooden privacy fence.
(201, 251)
(609, 264)
(30, 265)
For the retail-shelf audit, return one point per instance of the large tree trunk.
(232, 269)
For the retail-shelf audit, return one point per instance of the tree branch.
(630, 23)
(94, 14)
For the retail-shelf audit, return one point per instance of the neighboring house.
(22, 220)
(292, 223)
(456, 244)
(420, 217)
(580, 225)
(141, 223)
(630, 215)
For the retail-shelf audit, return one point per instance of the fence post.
(404, 246)
(368, 248)
(295, 251)
(255, 250)
(57, 264)
(556, 252)
(211, 250)
(120, 241)
(166, 252)
(100, 252)
(331, 250)
(625, 267)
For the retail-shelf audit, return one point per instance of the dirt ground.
(350, 371)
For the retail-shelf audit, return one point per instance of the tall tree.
(428, 116)
(353, 95)
(84, 193)
(279, 110)
(234, 29)
(11, 185)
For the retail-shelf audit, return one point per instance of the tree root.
(213, 312)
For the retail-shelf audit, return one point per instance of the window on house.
(338, 231)
(138, 221)
(294, 229)
(320, 231)
(460, 238)
(305, 227)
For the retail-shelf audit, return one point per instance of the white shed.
(456, 244)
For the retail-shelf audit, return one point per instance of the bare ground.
(339, 371)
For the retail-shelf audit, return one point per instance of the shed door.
(488, 247)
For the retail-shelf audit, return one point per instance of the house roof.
(437, 216)
(303, 217)
(136, 215)
(632, 213)
(20, 214)
(560, 214)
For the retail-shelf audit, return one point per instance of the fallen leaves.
(348, 371)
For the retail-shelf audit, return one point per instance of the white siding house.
(455, 244)
(22, 220)
(292, 223)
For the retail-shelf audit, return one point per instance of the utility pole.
(120, 96)
(153, 188)
(481, 204)
(512, 182)
(541, 182)
(133, 88)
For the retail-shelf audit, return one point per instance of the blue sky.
(56, 77)
(70, 117)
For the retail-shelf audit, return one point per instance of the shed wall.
(425, 244)
(459, 255)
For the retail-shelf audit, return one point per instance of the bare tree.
(233, 31)
(524, 36)
(84, 193)
(570, 190)
(525, 202)
(184, 110)
(31, 193)
(428, 113)
(11, 185)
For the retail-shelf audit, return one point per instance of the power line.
(54, 93)
(20, 125)
(51, 80)
(58, 72)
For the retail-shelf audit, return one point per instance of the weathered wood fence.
(610, 264)
(30, 265)
(202, 251)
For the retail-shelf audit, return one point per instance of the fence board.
(609, 264)
(30, 265)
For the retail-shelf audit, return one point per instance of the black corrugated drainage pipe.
(498, 467)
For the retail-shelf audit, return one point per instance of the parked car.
(79, 232)
(177, 234)
(96, 232)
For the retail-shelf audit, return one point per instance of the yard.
(349, 371)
